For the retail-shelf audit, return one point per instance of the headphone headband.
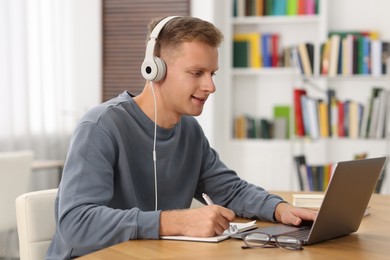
(154, 68)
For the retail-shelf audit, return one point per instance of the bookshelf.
(256, 91)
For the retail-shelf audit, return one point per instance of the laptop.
(345, 202)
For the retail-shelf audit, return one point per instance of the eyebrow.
(201, 68)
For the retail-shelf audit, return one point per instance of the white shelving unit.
(255, 92)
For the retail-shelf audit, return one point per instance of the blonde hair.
(184, 29)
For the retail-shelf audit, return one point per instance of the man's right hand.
(205, 221)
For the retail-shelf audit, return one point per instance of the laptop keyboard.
(301, 234)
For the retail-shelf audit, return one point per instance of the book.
(334, 117)
(279, 7)
(275, 50)
(254, 54)
(299, 127)
(376, 58)
(374, 115)
(240, 54)
(240, 127)
(282, 122)
(353, 120)
(323, 118)
(240, 227)
(313, 201)
(266, 50)
(292, 7)
(305, 114)
(303, 51)
(385, 56)
(334, 54)
(383, 100)
(312, 105)
(325, 57)
(340, 119)
(332, 112)
(300, 163)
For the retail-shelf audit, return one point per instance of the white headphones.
(154, 68)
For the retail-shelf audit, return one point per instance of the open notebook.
(240, 227)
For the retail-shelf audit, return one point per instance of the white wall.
(204, 9)
(360, 14)
(86, 55)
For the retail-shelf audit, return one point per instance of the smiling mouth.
(200, 99)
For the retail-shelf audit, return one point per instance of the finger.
(228, 214)
(306, 214)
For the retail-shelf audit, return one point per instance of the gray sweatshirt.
(107, 191)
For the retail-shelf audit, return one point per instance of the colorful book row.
(278, 127)
(312, 177)
(275, 7)
(255, 50)
(316, 118)
(344, 53)
(351, 53)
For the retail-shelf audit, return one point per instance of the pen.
(232, 228)
(207, 199)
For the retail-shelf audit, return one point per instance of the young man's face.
(189, 78)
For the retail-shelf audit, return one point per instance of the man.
(112, 190)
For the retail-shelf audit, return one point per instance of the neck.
(145, 101)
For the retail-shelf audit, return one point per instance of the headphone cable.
(154, 145)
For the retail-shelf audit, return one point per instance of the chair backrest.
(15, 171)
(35, 222)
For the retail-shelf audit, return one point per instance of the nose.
(209, 85)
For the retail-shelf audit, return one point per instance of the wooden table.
(371, 241)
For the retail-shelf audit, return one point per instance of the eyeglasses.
(259, 239)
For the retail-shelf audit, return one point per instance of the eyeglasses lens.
(263, 239)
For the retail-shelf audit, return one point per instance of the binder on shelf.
(292, 7)
(354, 119)
(266, 49)
(298, 113)
(332, 112)
(334, 54)
(306, 54)
(385, 57)
(312, 111)
(240, 54)
(375, 57)
(279, 7)
(282, 122)
(323, 118)
(300, 164)
(253, 52)
(325, 58)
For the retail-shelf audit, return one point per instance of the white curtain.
(49, 73)
(35, 98)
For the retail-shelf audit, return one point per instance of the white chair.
(15, 171)
(36, 223)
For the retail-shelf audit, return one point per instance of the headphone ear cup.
(149, 69)
(161, 69)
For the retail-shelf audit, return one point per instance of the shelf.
(355, 77)
(256, 141)
(299, 19)
(340, 139)
(264, 71)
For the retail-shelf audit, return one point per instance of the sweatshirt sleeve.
(85, 218)
(227, 189)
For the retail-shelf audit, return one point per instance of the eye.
(196, 74)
